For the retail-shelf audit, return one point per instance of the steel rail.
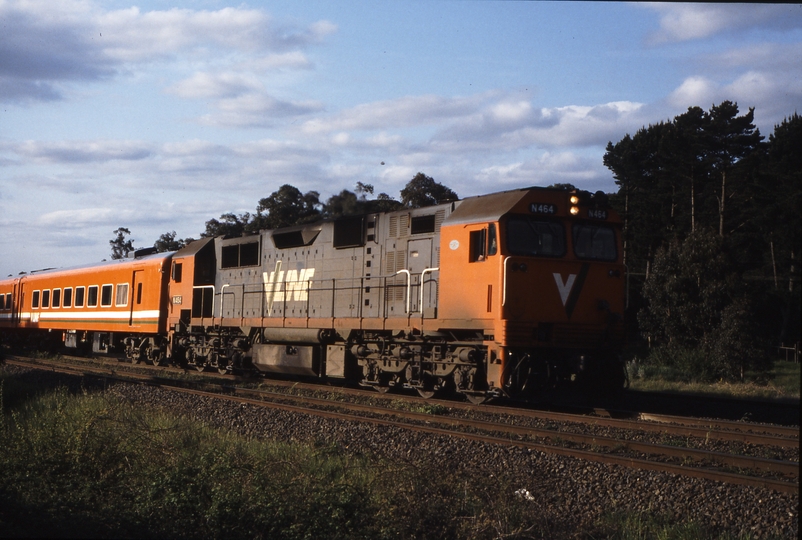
(638, 463)
(748, 462)
(707, 429)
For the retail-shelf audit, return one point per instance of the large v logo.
(570, 288)
(564, 288)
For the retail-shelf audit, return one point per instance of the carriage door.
(136, 296)
(419, 258)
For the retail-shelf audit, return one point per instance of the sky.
(160, 115)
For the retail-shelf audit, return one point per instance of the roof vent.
(144, 252)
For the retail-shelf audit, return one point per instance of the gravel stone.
(569, 491)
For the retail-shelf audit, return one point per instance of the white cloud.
(396, 113)
(215, 85)
(294, 59)
(84, 217)
(84, 151)
(571, 125)
(546, 169)
(687, 21)
(775, 94)
(46, 44)
(695, 90)
(136, 36)
(257, 109)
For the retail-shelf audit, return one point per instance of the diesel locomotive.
(513, 293)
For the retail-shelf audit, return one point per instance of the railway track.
(565, 434)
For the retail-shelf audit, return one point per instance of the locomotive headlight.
(574, 209)
(574, 199)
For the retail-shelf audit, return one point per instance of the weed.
(642, 526)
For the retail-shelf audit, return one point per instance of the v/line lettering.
(295, 284)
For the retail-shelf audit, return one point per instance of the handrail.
(422, 281)
(504, 283)
(409, 286)
(222, 294)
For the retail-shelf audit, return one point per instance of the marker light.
(574, 210)
(574, 200)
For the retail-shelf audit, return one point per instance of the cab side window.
(484, 243)
(477, 248)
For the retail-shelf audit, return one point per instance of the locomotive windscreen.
(595, 242)
(535, 237)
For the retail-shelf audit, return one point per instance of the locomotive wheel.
(426, 394)
(192, 360)
(476, 399)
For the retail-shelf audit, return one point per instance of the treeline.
(712, 237)
(289, 206)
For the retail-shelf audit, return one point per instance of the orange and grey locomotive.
(511, 293)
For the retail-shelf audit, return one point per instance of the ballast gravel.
(568, 491)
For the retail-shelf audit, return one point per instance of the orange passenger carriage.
(102, 307)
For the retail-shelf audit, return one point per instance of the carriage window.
(35, 299)
(595, 242)
(91, 300)
(46, 298)
(8, 301)
(56, 298)
(535, 237)
(68, 297)
(105, 295)
(138, 293)
(122, 295)
(79, 296)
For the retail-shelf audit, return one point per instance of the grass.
(636, 526)
(77, 463)
(85, 464)
(783, 382)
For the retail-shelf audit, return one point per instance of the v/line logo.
(564, 288)
(570, 288)
(295, 285)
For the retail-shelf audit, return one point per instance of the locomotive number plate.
(177, 300)
(541, 208)
(597, 214)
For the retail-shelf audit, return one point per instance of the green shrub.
(95, 465)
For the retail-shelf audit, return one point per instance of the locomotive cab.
(539, 273)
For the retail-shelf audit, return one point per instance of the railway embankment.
(382, 481)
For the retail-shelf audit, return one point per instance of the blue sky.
(159, 115)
